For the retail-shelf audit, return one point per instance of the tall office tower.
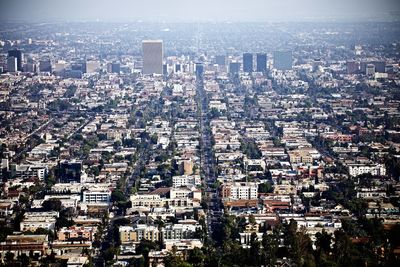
(199, 71)
(352, 67)
(114, 67)
(389, 69)
(177, 68)
(234, 67)
(18, 55)
(248, 62)
(370, 70)
(92, 66)
(261, 62)
(379, 66)
(220, 60)
(45, 66)
(283, 60)
(70, 171)
(152, 56)
(12, 64)
(165, 69)
(30, 67)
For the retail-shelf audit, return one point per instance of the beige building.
(76, 233)
(129, 234)
(152, 56)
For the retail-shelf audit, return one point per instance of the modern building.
(18, 55)
(129, 234)
(179, 231)
(12, 64)
(92, 66)
(248, 62)
(45, 66)
(239, 190)
(234, 67)
(261, 62)
(370, 70)
(91, 197)
(283, 60)
(373, 169)
(220, 60)
(353, 67)
(75, 233)
(115, 67)
(26, 171)
(152, 56)
(186, 180)
(199, 71)
(70, 171)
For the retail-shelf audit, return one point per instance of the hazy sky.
(198, 10)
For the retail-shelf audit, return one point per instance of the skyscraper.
(199, 71)
(18, 55)
(220, 60)
(261, 62)
(45, 65)
(12, 64)
(234, 67)
(283, 60)
(248, 62)
(152, 56)
(91, 66)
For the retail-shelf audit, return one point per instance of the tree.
(9, 256)
(196, 257)
(144, 247)
(265, 188)
(323, 242)
(270, 245)
(24, 260)
(342, 248)
(52, 205)
(118, 196)
(252, 219)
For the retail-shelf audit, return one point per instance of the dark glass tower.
(261, 62)
(248, 62)
(18, 55)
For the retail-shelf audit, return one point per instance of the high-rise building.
(18, 55)
(283, 60)
(152, 56)
(220, 60)
(114, 67)
(30, 67)
(92, 66)
(261, 62)
(177, 68)
(165, 69)
(12, 64)
(370, 70)
(353, 67)
(389, 69)
(45, 66)
(234, 67)
(248, 62)
(199, 71)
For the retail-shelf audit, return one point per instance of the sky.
(198, 10)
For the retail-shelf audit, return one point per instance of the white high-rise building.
(152, 56)
(92, 66)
